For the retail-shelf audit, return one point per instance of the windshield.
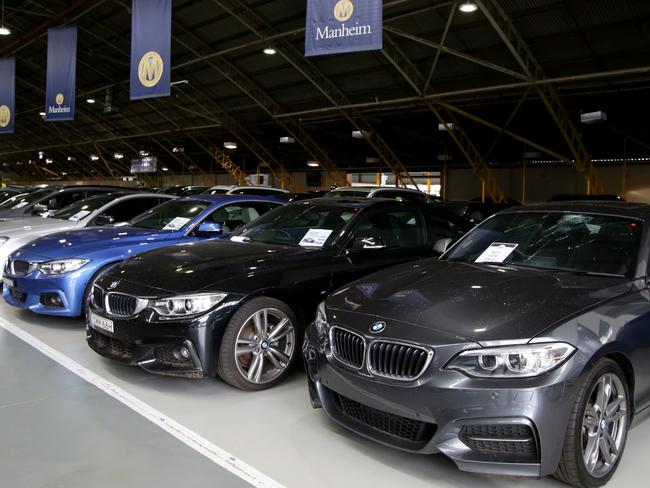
(306, 225)
(84, 208)
(347, 193)
(170, 216)
(20, 201)
(573, 242)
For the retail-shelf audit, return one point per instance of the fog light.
(51, 300)
(182, 353)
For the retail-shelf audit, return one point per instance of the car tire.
(586, 429)
(89, 287)
(260, 345)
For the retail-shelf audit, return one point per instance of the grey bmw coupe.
(523, 351)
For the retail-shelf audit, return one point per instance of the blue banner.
(151, 43)
(343, 26)
(7, 95)
(61, 74)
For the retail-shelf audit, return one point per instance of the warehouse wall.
(543, 183)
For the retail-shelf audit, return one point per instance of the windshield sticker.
(177, 223)
(20, 205)
(498, 252)
(315, 237)
(79, 215)
(240, 239)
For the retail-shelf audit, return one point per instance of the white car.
(100, 210)
(263, 191)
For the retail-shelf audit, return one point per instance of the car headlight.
(3, 240)
(61, 267)
(186, 305)
(320, 322)
(522, 361)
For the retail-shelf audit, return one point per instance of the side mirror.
(210, 229)
(368, 242)
(441, 245)
(104, 219)
(39, 209)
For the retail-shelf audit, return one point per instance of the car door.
(385, 237)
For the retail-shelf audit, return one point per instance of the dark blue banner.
(7, 94)
(61, 74)
(151, 43)
(343, 26)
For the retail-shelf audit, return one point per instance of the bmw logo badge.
(378, 327)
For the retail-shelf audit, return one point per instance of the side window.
(128, 209)
(237, 214)
(393, 228)
(64, 199)
(440, 227)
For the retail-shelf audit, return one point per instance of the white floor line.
(190, 438)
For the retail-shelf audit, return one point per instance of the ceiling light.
(94, 157)
(90, 100)
(593, 117)
(165, 168)
(360, 134)
(71, 158)
(287, 140)
(372, 160)
(118, 155)
(230, 145)
(40, 154)
(313, 164)
(144, 153)
(42, 114)
(446, 126)
(64, 173)
(468, 7)
(269, 50)
(4, 31)
(178, 150)
(48, 161)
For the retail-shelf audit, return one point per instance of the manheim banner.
(343, 26)
(61, 73)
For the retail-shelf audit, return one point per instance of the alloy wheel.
(265, 344)
(604, 425)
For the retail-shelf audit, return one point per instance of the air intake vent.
(120, 305)
(348, 347)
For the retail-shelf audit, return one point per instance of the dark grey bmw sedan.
(524, 350)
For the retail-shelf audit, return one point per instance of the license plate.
(101, 323)
(8, 282)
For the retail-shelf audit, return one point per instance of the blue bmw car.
(52, 275)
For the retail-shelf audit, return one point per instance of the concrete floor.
(58, 431)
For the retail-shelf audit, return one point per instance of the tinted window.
(552, 240)
(402, 196)
(20, 201)
(235, 215)
(440, 226)
(299, 224)
(79, 210)
(394, 228)
(128, 209)
(170, 216)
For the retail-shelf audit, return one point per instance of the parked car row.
(515, 347)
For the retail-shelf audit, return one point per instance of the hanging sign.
(343, 26)
(61, 74)
(7, 95)
(151, 41)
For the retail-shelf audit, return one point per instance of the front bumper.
(186, 348)
(34, 292)
(484, 427)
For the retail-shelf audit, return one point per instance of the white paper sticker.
(20, 205)
(79, 215)
(498, 252)
(315, 237)
(177, 223)
(240, 239)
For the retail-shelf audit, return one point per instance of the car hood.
(221, 265)
(476, 302)
(33, 226)
(77, 243)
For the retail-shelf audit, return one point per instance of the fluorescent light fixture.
(230, 145)
(144, 153)
(360, 134)
(180, 82)
(40, 154)
(94, 157)
(71, 158)
(593, 117)
(165, 168)
(42, 114)
(447, 126)
(468, 7)
(313, 164)
(372, 160)
(118, 155)
(48, 161)
(178, 150)
(269, 50)
(64, 173)
(90, 100)
(4, 31)
(287, 140)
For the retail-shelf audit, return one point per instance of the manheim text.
(343, 31)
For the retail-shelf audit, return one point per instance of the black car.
(49, 199)
(522, 351)
(474, 211)
(237, 308)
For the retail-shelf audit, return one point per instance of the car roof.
(222, 198)
(360, 202)
(263, 187)
(605, 207)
